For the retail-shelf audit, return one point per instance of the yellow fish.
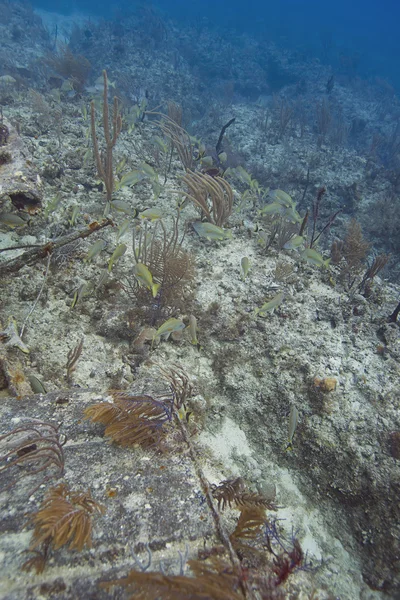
(145, 278)
(169, 327)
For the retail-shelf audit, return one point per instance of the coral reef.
(230, 398)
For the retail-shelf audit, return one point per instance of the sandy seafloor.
(338, 488)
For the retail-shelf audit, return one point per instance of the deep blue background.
(369, 28)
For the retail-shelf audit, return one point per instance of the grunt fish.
(145, 278)
(118, 252)
(210, 231)
(315, 258)
(270, 305)
(169, 327)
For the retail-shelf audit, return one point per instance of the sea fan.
(233, 491)
(132, 420)
(65, 517)
(216, 582)
(251, 520)
(33, 447)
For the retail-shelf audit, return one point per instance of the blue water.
(321, 29)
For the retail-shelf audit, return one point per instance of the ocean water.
(323, 29)
(199, 299)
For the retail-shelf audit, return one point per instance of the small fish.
(74, 215)
(36, 385)
(79, 294)
(211, 232)
(292, 215)
(11, 337)
(207, 161)
(120, 165)
(193, 330)
(118, 252)
(160, 143)
(270, 305)
(52, 205)
(7, 80)
(11, 220)
(281, 197)
(223, 157)
(100, 82)
(315, 258)
(102, 279)
(146, 335)
(145, 278)
(148, 170)
(294, 242)
(84, 111)
(293, 420)
(123, 228)
(67, 86)
(121, 206)
(245, 266)
(274, 208)
(151, 213)
(169, 327)
(131, 178)
(95, 250)
(95, 89)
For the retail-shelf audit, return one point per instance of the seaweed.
(72, 358)
(251, 520)
(64, 518)
(133, 420)
(31, 448)
(180, 384)
(210, 582)
(171, 267)
(233, 491)
(212, 195)
(288, 559)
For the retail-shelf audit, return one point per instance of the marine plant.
(143, 420)
(32, 448)
(253, 563)
(64, 518)
(215, 580)
(233, 491)
(213, 195)
(181, 141)
(350, 255)
(72, 359)
(171, 269)
(104, 162)
(74, 67)
(4, 131)
(315, 213)
(393, 316)
(133, 420)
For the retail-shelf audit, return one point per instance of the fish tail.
(154, 289)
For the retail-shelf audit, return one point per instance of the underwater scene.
(199, 300)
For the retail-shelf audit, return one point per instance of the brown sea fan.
(213, 582)
(132, 420)
(233, 491)
(31, 448)
(65, 518)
